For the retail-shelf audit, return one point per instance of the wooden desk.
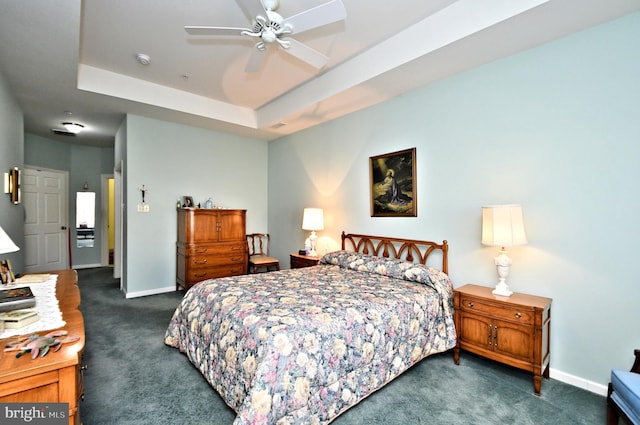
(57, 376)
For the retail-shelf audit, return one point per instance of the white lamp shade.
(6, 244)
(502, 225)
(313, 219)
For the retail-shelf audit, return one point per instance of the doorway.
(46, 233)
(108, 219)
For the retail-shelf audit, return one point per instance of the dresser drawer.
(196, 275)
(205, 261)
(214, 249)
(502, 310)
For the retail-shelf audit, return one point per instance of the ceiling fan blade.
(195, 30)
(305, 53)
(252, 8)
(255, 60)
(318, 16)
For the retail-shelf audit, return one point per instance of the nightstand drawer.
(499, 311)
(300, 261)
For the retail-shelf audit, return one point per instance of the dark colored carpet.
(133, 378)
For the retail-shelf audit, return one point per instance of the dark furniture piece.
(623, 398)
(299, 261)
(259, 253)
(513, 330)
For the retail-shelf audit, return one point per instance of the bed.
(302, 346)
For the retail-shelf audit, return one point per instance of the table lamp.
(503, 226)
(6, 244)
(313, 219)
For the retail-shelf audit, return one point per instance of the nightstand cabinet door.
(513, 340)
(512, 330)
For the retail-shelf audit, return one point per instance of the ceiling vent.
(61, 132)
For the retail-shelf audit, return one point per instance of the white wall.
(556, 129)
(173, 160)
(11, 155)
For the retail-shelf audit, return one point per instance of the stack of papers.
(33, 278)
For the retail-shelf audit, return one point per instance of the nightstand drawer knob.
(518, 315)
(471, 304)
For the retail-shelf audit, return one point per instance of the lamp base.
(503, 263)
(502, 289)
(313, 240)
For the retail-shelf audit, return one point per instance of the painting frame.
(393, 185)
(188, 202)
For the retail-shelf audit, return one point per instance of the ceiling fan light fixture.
(73, 127)
(270, 4)
(272, 27)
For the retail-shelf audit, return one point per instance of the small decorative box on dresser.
(298, 261)
(211, 243)
(513, 330)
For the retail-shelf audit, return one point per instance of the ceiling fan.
(270, 28)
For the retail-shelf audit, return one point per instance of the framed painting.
(6, 273)
(392, 181)
(188, 202)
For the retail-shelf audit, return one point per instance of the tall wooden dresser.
(211, 243)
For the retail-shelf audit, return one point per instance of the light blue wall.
(84, 164)
(11, 155)
(555, 129)
(47, 153)
(173, 160)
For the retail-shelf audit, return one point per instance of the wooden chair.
(259, 253)
(623, 398)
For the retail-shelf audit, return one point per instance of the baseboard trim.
(86, 266)
(576, 381)
(150, 292)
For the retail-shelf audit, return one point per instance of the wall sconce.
(12, 184)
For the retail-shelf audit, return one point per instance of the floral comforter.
(301, 346)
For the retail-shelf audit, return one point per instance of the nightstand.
(512, 330)
(298, 261)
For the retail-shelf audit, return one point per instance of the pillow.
(391, 267)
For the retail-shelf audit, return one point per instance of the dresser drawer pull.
(201, 250)
(518, 315)
(235, 248)
(490, 334)
(200, 262)
(471, 304)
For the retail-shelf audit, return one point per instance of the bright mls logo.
(34, 413)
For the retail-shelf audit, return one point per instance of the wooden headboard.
(403, 249)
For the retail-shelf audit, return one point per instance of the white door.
(46, 237)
